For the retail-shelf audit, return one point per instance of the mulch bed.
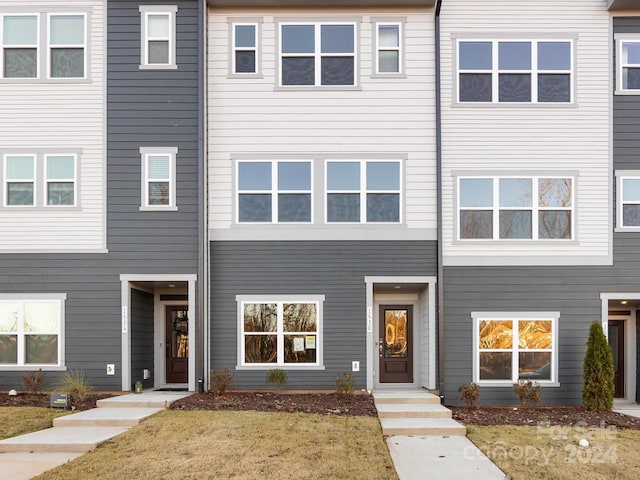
(322, 403)
(23, 399)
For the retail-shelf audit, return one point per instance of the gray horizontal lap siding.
(145, 108)
(141, 342)
(334, 269)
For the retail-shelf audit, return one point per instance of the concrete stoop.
(414, 412)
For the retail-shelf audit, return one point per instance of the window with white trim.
(245, 48)
(274, 191)
(31, 330)
(158, 177)
(363, 191)
(389, 48)
(67, 50)
(60, 180)
(628, 63)
(281, 332)
(629, 201)
(515, 346)
(19, 180)
(20, 46)
(318, 54)
(515, 71)
(515, 208)
(158, 33)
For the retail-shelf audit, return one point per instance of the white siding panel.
(40, 116)
(533, 139)
(383, 115)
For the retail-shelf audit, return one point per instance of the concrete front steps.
(414, 412)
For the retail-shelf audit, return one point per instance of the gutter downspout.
(440, 274)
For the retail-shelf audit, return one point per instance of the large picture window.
(281, 332)
(515, 208)
(30, 331)
(515, 71)
(513, 347)
(313, 54)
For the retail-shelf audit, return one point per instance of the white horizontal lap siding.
(533, 139)
(384, 115)
(40, 116)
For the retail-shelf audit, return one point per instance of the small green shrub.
(599, 387)
(345, 384)
(528, 392)
(33, 381)
(277, 377)
(470, 394)
(75, 385)
(220, 380)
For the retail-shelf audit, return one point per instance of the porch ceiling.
(399, 287)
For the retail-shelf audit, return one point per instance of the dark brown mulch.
(23, 399)
(540, 416)
(322, 403)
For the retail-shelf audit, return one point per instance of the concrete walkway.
(71, 436)
(631, 409)
(425, 443)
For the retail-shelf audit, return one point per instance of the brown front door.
(177, 344)
(394, 348)
(616, 342)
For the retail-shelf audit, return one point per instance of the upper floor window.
(19, 180)
(515, 208)
(245, 48)
(628, 186)
(158, 33)
(63, 44)
(538, 71)
(314, 54)
(363, 191)
(628, 71)
(158, 178)
(60, 178)
(274, 192)
(388, 48)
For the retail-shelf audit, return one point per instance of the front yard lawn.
(20, 420)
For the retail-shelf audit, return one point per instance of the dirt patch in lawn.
(321, 403)
(23, 399)
(532, 416)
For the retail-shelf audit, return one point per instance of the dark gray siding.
(145, 108)
(334, 269)
(141, 336)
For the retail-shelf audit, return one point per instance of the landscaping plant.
(598, 390)
(220, 380)
(33, 381)
(528, 392)
(74, 384)
(470, 394)
(277, 377)
(345, 384)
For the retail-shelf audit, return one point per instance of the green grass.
(240, 445)
(20, 420)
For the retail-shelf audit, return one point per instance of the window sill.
(283, 367)
(158, 209)
(253, 76)
(389, 75)
(510, 384)
(56, 81)
(316, 88)
(627, 229)
(627, 92)
(514, 104)
(32, 368)
(158, 67)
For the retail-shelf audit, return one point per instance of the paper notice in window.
(310, 342)
(298, 344)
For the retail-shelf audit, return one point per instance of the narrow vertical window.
(158, 186)
(630, 202)
(19, 180)
(389, 52)
(60, 180)
(67, 46)
(628, 68)
(158, 36)
(245, 48)
(20, 46)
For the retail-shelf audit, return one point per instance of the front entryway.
(395, 344)
(177, 344)
(616, 342)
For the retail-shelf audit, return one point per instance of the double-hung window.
(628, 185)
(388, 48)
(515, 71)
(19, 180)
(280, 332)
(20, 46)
(158, 33)
(313, 54)
(274, 191)
(158, 178)
(67, 46)
(245, 48)
(628, 60)
(30, 330)
(363, 191)
(515, 208)
(509, 347)
(60, 179)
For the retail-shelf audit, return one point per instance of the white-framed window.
(31, 329)
(19, 180)
(512, 346)
(158, 178)
(280, 331)
(60, 180)
(318, 54)
(67, 45)
(515, 208)
(274, 191)
(20, 39)
(628, 63)
(389, 58)
(515, 71)
(158, 36)
(244, 48)
(628, 194)
(367, 191)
